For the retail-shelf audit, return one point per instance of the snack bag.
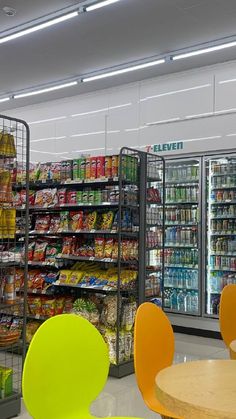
(59, 305)
(5, 186)
(76, 277)
(34, 304)
(52, 251)
(10, 220)
(90, 220)
(48, 307)
(31, 250)
(115, 250)
(56, 171)
(69, 245)
(31, 329)
(6, 380)
(42, 223)
(99, 247)
(54, 224)
(39, 251)
(64, 277)
(107, 220)
(64, 221)
(76, 221)
(110, 338)
(108, 248)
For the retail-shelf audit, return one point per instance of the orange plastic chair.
(153, 351)
(65, 369)
(228, 316)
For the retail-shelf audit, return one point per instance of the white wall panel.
(124, 111)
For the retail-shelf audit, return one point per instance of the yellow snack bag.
(64, 277)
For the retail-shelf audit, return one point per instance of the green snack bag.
(6, 382)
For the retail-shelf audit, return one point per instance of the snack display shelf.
(46, 264)
(109, 232)
(94, 259)
(105, 289)
(14, 156)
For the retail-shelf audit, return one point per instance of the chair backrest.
(228, 314)
(66, 367)
(153, 345)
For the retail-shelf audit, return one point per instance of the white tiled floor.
(121, 397)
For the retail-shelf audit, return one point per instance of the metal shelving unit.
(14, 163)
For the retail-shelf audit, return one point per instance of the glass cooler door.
(221, 229)
(181, 278)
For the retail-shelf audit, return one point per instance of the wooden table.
(232, 349)
(199, 389)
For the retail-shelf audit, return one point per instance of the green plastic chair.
(66, 367)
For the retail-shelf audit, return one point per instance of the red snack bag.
(69, 244)
(61, 196)
(100, 167)
(71, 197)
(48, 307)
(31, 250)
(54, 224)
(39, 251)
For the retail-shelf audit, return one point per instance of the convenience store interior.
(91, 78)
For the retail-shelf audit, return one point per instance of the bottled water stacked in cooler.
(181, 236)
(185, 301)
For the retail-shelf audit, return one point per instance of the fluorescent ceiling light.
(90, 149)
(38, 27)
(131, 129)
(204, 51)
(100, 4)
(123, 70)
(48, 89)
(5, 99)
(42, 121)
(203, 138)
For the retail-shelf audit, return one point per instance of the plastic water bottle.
(173, 300)
(181, 301)
(195, 302)
(188, 302)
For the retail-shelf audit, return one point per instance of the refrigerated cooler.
(182, 237)
(221, 229)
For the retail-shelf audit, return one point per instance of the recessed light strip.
(100, 4)
(203, 51)
(48, 89)
(123, 70)
(38, 27)
(4, 99)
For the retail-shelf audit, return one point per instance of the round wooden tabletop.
(199, 389)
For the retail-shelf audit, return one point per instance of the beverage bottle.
(173, 300)
(194, 302)
(181, 301)
(180, 279)
(188, 302)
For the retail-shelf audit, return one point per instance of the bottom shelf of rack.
(121, 370)
(10, 406)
